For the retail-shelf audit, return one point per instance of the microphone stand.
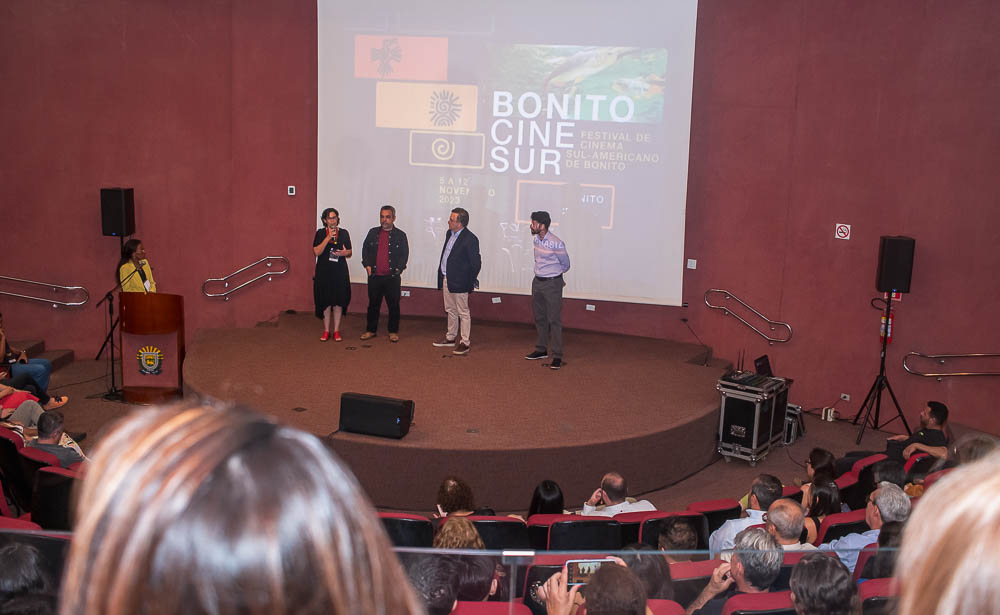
(114, 393)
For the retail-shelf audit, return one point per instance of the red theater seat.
(839, 525)
(774, 603)
(406, 530)
(717, 511)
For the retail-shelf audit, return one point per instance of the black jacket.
(399, 250)
(464, 262)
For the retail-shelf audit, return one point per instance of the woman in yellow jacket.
(134, 272)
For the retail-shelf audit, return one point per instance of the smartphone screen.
(579, 571)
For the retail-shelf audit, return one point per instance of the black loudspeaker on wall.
(118, 212)
(375, 416)
(895, 264)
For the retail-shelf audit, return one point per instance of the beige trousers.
(456, 305)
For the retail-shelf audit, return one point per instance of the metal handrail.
(54, 287)
(225, 280)
(940, 358)
(772, 324)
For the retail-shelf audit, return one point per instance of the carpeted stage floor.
(647, 408)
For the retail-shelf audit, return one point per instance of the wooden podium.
(152, 343)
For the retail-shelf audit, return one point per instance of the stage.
(643, 407)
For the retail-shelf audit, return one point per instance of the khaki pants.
(456, 305)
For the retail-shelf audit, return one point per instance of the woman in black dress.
(332, 281)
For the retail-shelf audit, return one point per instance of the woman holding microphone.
(332, 281)
(134, 272)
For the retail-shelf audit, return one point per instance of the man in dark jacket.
(457, 272)
(384, 255)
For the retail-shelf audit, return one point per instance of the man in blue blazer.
(457, 273)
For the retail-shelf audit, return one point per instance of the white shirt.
(800, 546)
(614, 509)
(723, 538)
(847, 548)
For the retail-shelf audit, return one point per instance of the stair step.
(34, 347)
(58, 358)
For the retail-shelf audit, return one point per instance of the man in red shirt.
(384, 255)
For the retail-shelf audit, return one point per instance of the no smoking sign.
(842, 231)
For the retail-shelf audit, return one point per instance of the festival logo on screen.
(448, 107)
(150, 360)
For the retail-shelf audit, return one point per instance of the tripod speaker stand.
(873, 401)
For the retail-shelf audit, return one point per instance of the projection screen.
(580, 109)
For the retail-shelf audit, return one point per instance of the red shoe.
(326, 336)
(336, 336)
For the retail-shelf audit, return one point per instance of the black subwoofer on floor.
(376, 416)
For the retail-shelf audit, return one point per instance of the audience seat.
(51, 499)
(537, 575)
(689, 578)
(538, 529)
(792, 493)
(16, 485)
(848, 485)
(717, 511)
(864, 555)
(8, 523)
(33, 460)
(914, 458)
(877, 596)
(407, 530)
(839, 525)
(500, 533)
(656, 607)
(664, 607)
(867, 461)
(768, 602)
(585, 533)
(933, 478)
(649, 527)
(14, 438)
(54, 549)
(490, 608)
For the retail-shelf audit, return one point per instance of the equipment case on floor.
(751, 415)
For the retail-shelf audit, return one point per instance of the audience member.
(23, 575)
(53, 439)
(887, 503)
(786, 522)
(458, 533)
(18, 361)
(764, 490)
(435, 578)
(822, 585)
(477, 578)
(455, 498)
(200, 509)
(882, 565)
(754, 566)
(652, 569)
(613, 590)
(823, 499)
(820, 461)
(24, 383)
(887, 470)
(547, 499)
(677, 534)
(949, 561)
(932, 432)
(612, 498)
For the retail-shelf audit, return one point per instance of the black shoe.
(538, 354)
(78, 437)
(556, 363)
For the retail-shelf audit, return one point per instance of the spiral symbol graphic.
(445, 108)
(443, 149)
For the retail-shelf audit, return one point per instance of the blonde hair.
(950, 560)
(202, 508)
(458, 533)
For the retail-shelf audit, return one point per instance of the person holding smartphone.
(38, 369)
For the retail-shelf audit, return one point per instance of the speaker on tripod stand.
(895, 268)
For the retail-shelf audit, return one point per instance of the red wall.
(877, 114)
